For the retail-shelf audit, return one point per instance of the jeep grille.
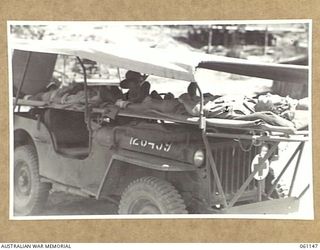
(234, 166)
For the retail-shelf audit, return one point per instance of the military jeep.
(147, 162)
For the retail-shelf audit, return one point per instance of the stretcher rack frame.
(275, 140)
(257, 135)
(264, 137)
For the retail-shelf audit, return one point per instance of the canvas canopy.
(164, 63)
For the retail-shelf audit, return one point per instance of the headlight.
(198, 158)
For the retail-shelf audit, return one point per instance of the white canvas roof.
(165, 63)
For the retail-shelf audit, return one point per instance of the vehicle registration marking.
(148, 144)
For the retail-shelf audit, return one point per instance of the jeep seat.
(69, 132)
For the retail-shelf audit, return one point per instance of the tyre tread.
(41, 189)
(166, 192)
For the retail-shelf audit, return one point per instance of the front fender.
(39, 135)
(146, 161)
(152, 162)
(36, 129)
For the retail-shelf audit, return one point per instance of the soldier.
(138, 87)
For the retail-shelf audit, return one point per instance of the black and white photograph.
(188, 119)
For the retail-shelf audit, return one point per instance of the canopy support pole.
(297, 151)
(202, 116)
(87, 115)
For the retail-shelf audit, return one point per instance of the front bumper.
(276, 206)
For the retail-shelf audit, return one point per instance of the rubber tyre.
(151, 195)
(30, 194)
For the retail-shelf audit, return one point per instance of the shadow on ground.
(60, 203)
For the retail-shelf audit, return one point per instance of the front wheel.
(151, 195)
(29, 193)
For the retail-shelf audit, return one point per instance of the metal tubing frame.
(202, 124)
(274, 138)
(270, 138)
(295, 170)
(87, 115)
(303, 191)
(247, 181)
(251, 176)
(259, 190)
(86, 111)
(298, 150)
(214, 169)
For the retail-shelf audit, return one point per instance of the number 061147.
(309, 245)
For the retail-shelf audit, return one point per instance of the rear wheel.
(29, 193)
(151, 195)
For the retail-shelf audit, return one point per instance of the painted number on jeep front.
(148, 144)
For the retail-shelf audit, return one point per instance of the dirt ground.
(60, 203)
